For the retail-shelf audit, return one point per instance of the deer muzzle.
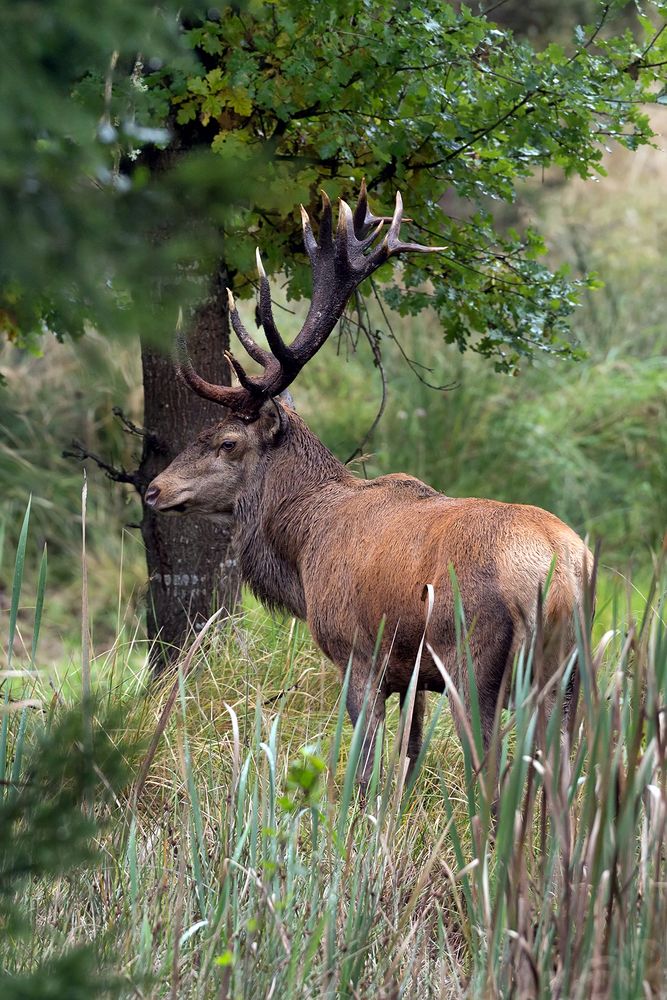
(165, 500)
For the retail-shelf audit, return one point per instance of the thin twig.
(413, 365)
(373, 338)
(599, 26)
(129, 425)
(490, 10)
(653, 41)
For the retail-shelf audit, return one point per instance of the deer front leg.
(360, 691)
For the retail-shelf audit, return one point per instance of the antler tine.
(309, 240)
(225, 395)
(397, 219)
(345, 234)
(326, 224)
(256, 352)
(392, 242)
(276, 343)
(246, 381)
(363, 217)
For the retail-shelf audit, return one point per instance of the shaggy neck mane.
(298, 484)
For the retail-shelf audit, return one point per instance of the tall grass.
(241, 862)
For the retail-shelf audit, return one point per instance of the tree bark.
(191, 568)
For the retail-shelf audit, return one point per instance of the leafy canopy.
(79, 213)
(133, 143)
(438, 102)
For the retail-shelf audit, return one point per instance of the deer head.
(210, 474)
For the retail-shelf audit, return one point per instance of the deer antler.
(340, 261)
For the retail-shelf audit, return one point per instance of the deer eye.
(227, 445)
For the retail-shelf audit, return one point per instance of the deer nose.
(151, 495)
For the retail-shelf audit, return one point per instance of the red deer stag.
(344, 553)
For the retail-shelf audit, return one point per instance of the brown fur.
(345, 553)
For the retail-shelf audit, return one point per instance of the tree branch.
(81, 454)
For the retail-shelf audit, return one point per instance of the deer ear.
(273, 421)
(287, 399)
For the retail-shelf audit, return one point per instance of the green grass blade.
(39, 606)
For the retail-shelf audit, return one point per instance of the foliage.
(435, 101)
(98, 199)
(79, 216)
(48, 833)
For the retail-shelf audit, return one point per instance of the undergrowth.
(239, 861)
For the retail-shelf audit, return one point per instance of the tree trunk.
(191, 569)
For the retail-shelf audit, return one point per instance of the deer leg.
(557, 652)
(416, 727)
(491, 648)
(359, 692)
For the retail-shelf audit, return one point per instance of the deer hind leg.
(557, 653)
(491, 649)
(416, 727)
(361, 692)
(491, 644)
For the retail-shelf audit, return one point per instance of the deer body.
(346, 554)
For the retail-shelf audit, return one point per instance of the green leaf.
(225, 959)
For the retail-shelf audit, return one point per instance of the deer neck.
(285, 509)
